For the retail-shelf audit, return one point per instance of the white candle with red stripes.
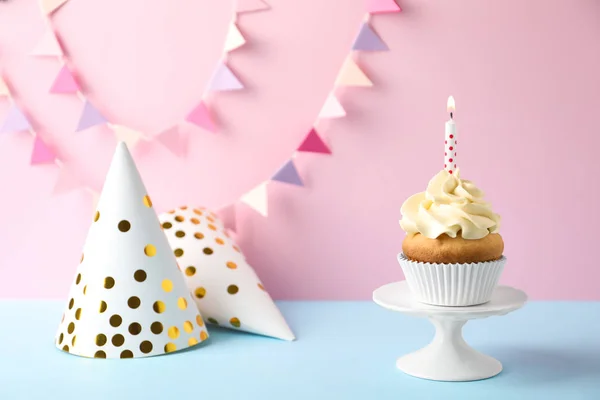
(450, 163)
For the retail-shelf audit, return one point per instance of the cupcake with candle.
(452, 253)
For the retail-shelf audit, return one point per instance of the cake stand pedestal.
(448, 357)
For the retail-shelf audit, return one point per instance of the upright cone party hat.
(128, 298)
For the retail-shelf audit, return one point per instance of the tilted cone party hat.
(129, 298)
(226, 288)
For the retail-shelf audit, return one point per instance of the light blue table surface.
(345, 350)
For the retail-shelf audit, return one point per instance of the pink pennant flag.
(314, 144)
(352, 75)
(66, 181)
(42, 154)
(50, 6)
(201, 116)
(332, 108)
(227, 214)
(64, 82)
(234, 39)
(368, 40)
(90, 116)
(223, 80)
(248, 6)
(257, 199)
(4, 92)
(382, 6)
(48, 46)
(173, 140)
(15, 121)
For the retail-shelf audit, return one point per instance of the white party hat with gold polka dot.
(225, 287)
(129, 298)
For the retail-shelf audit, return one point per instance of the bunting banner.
(15, 121)
(174, 140)
(90, 116)
(288, 174)
(48, 46)
(42, 153)
(50, 6)
(332, 108)
(258, 199)
(4, 92)
(382, 6)
(65, 82)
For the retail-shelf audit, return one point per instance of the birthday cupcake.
(452, 253)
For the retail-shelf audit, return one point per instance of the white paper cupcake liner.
(452, 285)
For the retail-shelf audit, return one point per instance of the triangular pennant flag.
(332, 108)
(288, 174)
(173, 140)
(15, 121)
(42, 154)
(201, 116)
(127, 135)
(314, 144)
(223, 79)
(352, 75)
(228, 216)
(367, 40)
(66, 181)
(234, 38)
(64, 82)
(247, 6)
(49, 6)
(382, 6)
(48, 46)
(90, 116)
(257, 199)
(3, 88)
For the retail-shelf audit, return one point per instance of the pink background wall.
(525, 75)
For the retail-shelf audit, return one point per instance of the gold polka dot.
(208, 251)
(178, 252)
(260, 286)
(220, 241)
(71, 328)
(84, 289)
(109, 282)
(198, 235)
(78, 314)
(192, 341)
(211, 219)
(139, 275)
(231, 265)
(159, 307)
(71, 303)
(212, 227)
(236, 248)
(78, 279)
(183, 208)
(171, 211)
(100, 339)
(115, 320)
(66, 348)
(61, 337)
(167, 285)
(156, 328)
(182, 303)
(100, 354)
(199, 320)
(200, 292)
(235, 322)
(167, 225)
(188, 326)
(147, 201)
(232, 289)
(190, 271)
(212, 321)
(150, 250)
(180, 234)
(170, 347)
(146, 347)
(196, 211)
(134, 302)
(135, 328)
(124, 226)
(194, 221)
(179, 218)
(173, 332)
(118, 340)
(80, 261)
(203, 335)
(226, 234)
(97, 216)
(73, 340)
(126, 354)
(103, 306)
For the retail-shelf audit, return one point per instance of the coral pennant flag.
(257, 199)
(382, 6)
(64, 82)
(3, 88)
(174, 140)
(332, 108)
(201, 116)
(42, 154)
(90, 116)
(15, 121)
(288, 174)
(367, 40)
(352, 75)
(48, 46)
(228, 215)
(247, 6)
(66, 181)
(223, 80)
(314, 144)
(50, 6)
(131, 137)
(234, 38)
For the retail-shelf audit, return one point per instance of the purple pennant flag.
(367, 40)
(223, 79)
(90, 116)
(288, 174)
(15, 121)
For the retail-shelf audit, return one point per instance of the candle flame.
(451, 106)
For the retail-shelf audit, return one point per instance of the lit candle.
(450, 163)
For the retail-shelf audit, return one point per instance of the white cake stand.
(448, 357)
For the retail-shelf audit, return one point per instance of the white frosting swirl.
(450, 205)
